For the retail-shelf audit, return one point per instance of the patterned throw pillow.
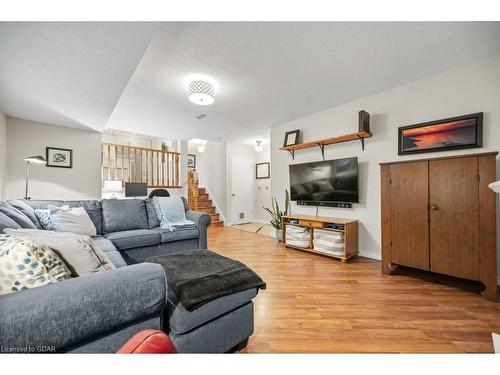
(24, 264)
(43, 216)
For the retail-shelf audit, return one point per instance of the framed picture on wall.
(262, 170)
(59, 157)
(191, 161)
(291, 138)
(453, 133)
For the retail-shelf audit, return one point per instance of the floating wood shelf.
(321, 143)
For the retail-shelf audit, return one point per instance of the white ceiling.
(268, 73)
(69, 74)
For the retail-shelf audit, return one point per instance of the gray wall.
(28, 138)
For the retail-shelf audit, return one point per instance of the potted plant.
(276, 214)
(164, 147)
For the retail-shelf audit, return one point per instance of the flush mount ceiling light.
(201, 92)
(258, 147)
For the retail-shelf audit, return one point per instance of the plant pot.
(278, 234)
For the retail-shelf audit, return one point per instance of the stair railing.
(159, 169)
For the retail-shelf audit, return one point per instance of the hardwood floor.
(315, 304)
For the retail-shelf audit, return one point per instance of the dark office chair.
(159, 193)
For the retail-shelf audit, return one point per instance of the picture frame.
(454, 133)
(291, 138)
(262, 170)
(59, 157)
(191, 161)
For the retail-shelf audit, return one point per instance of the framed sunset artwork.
(442, 135)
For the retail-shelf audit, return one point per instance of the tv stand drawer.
(312, 224)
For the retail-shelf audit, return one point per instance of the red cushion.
(149, 341)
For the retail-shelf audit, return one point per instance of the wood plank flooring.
(314, 304)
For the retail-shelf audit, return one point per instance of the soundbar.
(325, 204)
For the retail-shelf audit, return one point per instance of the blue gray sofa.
(99, 313)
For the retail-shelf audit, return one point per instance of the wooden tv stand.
(347, 227)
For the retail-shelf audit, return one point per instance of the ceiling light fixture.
(258, 148)
(201, 92)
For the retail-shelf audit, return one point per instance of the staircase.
(205, 205)
(198, 200)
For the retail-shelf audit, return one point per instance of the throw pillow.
(78, 252)
(170, 212)
(74, 220)
(16, 215)
(25, 264)
(43, 216)
(26, 209)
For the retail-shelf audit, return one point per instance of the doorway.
(241, 184)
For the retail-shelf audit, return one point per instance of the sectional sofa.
(100, 312)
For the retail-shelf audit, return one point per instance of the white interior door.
(241, 190)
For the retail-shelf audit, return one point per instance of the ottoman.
(221, 325)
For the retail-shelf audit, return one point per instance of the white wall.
(28, 138)
(262, 194)
(472, 88)
(3, 151)
(211, 168)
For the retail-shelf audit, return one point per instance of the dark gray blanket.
(200, 276)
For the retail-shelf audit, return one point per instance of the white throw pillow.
(79, 253)
(24, 264)
(74, 220)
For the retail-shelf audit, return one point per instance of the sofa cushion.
(123, 215)
(27, 210)
(129, 239)
(182, 321)
(109, 249)
(21, 219)
(7, 222)
(184, 232)
(93, 208)
(153, 220)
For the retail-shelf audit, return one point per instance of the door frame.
(230, 187)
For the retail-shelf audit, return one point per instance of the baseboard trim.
(370, 254)
(261, 221)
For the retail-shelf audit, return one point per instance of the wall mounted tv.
(325, 182)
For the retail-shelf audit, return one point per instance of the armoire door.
(454, 217)
(409, 191)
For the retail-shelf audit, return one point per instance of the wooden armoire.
(439, 215)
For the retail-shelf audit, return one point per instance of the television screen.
(325, 181)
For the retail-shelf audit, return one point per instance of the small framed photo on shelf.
(59, 157)
(291, 138)
(191, 159)
(442, 135)
(262, 170)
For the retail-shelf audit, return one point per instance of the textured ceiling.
(268, 73)
(69, 74)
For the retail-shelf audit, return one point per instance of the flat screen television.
(325, 181)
